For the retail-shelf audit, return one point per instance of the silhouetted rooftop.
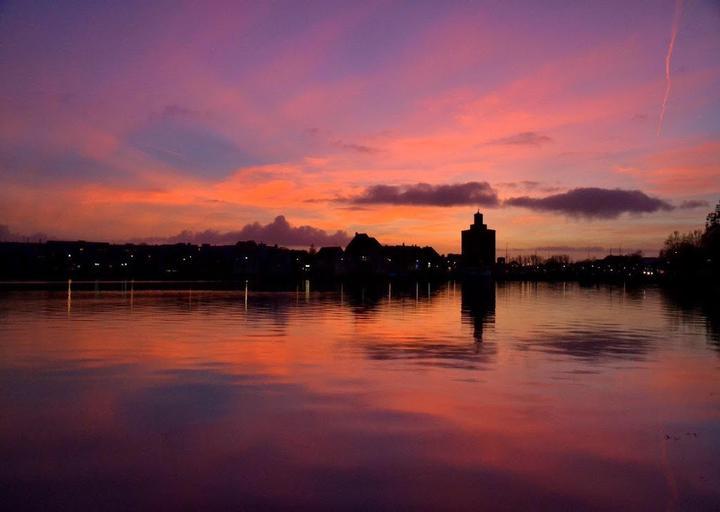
(363, 243)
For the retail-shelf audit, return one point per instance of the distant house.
(364, 254)
(330, 261)
(407, 259)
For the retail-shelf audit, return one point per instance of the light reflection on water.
(532, 396)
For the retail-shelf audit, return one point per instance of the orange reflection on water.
(524, 396)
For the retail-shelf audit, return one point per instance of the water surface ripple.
(425, 397)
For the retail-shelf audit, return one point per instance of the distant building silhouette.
(330, 261)
(407, 259)
(478, 306)
(363, 245)
(364, 254)
(478, 244)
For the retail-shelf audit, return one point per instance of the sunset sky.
(574, 126)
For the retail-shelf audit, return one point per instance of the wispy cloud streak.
(522, 139)
(668, 59)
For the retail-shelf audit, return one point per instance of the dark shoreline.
(354, 282)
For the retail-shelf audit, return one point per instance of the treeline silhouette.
(629, 267)
(694, 256)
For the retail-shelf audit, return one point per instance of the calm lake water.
(519, 396)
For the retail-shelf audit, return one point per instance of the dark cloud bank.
(593, 202)
(278, 232)
(588, 202)
(423, 194)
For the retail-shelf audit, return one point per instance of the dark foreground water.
(526, 396)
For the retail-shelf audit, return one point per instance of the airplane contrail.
(668, 59)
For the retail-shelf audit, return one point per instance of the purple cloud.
(278, 232)
(521, 139)
(358, 148)
(570, 248)
(423, 194)
(593, 202)
(9, 236)
(693, 203)
(180, 142)
(529, 185)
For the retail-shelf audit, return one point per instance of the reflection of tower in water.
(478, 306)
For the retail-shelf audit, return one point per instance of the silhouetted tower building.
(478, 244)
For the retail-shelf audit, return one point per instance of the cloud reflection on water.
(191, 400)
